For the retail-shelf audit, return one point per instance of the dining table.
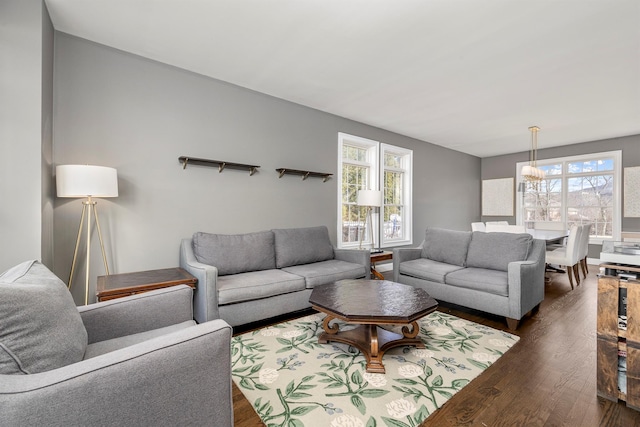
(549, 236)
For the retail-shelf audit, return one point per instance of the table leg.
(376, 273)
(372, 341)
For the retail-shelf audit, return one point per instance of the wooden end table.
(370, 303)
(125, 284)
(377, 257)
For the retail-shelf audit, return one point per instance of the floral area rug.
(291, 380)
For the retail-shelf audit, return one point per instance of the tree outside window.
(358, 165)
(577, 191)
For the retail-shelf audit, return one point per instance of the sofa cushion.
(448, 246)
(481, 279)
(256, 285)
(427, 269)
(40, 328)
(295, 246)
(235, 253)
(107, 346)
(321, 273)
(497, 250)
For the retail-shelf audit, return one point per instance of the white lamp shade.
(369, 198)
(85, 181)
(527, 170)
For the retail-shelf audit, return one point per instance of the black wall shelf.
(222, 165)
(303, 174)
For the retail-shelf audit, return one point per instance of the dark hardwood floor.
(547, 379)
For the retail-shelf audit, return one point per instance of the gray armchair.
(145, 361)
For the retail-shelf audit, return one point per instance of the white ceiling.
(470, 75)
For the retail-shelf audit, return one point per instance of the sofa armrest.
(526, 281)
(356, 256)
(182, 378)
(401, 255)
(137, 313)
(205, 297)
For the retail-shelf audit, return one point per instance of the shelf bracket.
(282, 171)
(221, 166)
(252, 170)
(184, 162)
(305, 176)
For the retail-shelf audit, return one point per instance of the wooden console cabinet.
(610, 338)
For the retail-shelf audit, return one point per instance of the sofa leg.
(535, 309)
(512, 324)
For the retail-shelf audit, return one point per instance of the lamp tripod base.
(88, 205)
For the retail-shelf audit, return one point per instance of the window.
(577, 190)
(364, 164)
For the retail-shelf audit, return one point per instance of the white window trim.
(407, 168)
(376, 181)
(617, 187)
(372, 148)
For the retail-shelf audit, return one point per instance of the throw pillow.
(235, 253)
(448, 246)
(40, 327)
(496, 250)
(296, 246)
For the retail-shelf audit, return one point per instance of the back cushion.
(235, 253)
(295, 246)
(496, 250)
(449, 246)
(40, 327)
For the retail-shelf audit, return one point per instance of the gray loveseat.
(499, 273)
(244, 278)
(134, 361)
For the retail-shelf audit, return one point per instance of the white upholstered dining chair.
(584, 248)
(499, 228)
(568, 256)
(478, 226)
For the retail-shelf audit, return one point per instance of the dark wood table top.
(139, 280)
(372, 301)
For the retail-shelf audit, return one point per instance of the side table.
(377, 257)
(125, 284)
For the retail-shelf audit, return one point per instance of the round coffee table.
(370, 303)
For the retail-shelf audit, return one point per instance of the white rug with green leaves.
(293, 381)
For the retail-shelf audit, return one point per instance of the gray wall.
(504, 166)
(119, 110)
(26, 54)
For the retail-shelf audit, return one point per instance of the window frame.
(375, 161)
(616, 155)
(407, 191)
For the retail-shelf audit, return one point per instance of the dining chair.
(568, 256)
(478, 226)
(499, 228)
(584, 248)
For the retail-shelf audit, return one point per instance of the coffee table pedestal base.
(371, 340)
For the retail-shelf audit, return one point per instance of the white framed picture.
(632, 192)
(497, 197)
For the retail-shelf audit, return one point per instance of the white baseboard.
(593, 261)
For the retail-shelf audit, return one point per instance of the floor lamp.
(371, 199)
(87, 181)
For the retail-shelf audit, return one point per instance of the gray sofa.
(499, 273)
(134, 361)
(243, 278)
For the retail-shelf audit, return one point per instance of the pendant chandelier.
(530, 172)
